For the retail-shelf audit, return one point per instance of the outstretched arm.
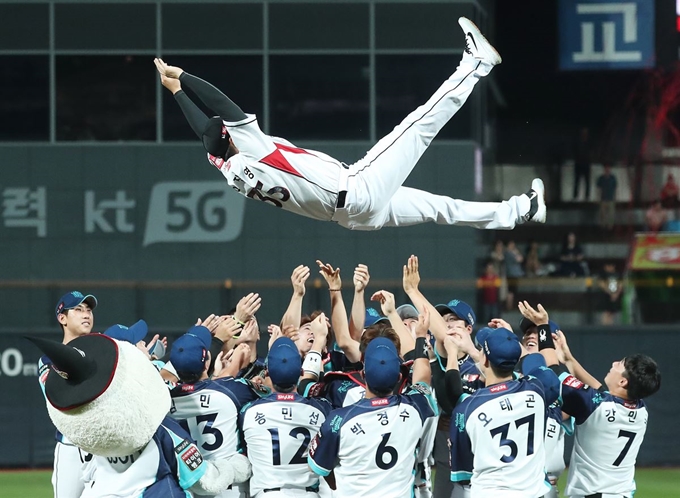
(358, 313)
(196, 118)
(209, 95)
(293, 314)
(574, 367)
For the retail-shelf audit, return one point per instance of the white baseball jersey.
(555, 430)
(209, 410)
(277, 431)
(373, 444)
(308, 182)
(273, 170)
(609, 432)
(72, 467)
(497, 440)
(165, 468)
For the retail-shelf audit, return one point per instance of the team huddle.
(366, 403)
(403, 402)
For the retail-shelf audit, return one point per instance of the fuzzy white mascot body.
(108, 399)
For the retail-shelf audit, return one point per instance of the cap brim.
(138, 331)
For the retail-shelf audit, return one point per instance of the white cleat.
(476, 45)
(537, 209)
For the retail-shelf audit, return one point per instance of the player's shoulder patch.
(189, 454)
(315, 390)
(336, 423)
(573, 382)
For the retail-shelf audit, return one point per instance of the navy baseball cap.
(534, 364)
(481, 335)
(381, 364)
(132, 334)
(502, 348)
(531, 362)
(407, 311)
(459, 308)
(72, 299)
(373, 317)
(525, 324)
(284, 363)
(190, 352)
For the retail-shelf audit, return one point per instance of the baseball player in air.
(73, 467)
(365, 195)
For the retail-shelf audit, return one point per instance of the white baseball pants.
(375, 196)
(72, 470)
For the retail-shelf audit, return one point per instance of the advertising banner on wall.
(606, 34)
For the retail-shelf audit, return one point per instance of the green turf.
(651, 483)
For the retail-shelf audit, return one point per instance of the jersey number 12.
(299, 456)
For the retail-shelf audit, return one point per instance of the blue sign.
(606, 34)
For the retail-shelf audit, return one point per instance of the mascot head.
(104, 394)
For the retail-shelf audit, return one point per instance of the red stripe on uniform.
(276, 160)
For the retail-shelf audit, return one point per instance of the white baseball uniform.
(72, 467)
(277, 431)
(209, 410)
(373, 445)
(497, 440)
(609, 433)
(368, 194)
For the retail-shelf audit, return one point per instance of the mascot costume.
(108, 399)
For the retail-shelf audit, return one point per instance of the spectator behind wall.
(612, 287)
(606, 185)
(513, 272)
(656, 217)
(572, 262)
(497, 257)
(489, 284)
(582, 160)
(670, 193)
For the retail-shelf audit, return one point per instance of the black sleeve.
(454, 386)
(439, 384)
(197, 120)
(215, 348)
(212, 98)
(558, 369)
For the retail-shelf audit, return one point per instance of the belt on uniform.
(599, 495)
(342, 196)
(309, 489)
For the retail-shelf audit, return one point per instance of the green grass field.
(651, 483)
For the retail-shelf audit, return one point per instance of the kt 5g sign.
(193, 212)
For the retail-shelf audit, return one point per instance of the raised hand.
(497, 323)
(211, 322)
(538, 316)
(423, 323)
(247, 307)
(227, 328)
(411, 277)
(361, 278)
(561, 347)
(298, 279)
(331, 275)
(386, 300)
(274, 333)
(172, 72)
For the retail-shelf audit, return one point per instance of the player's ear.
(61, 317)
(623, 382)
